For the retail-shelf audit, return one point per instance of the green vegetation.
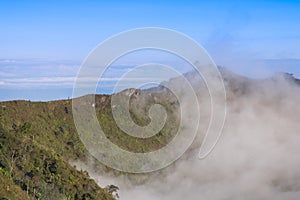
(36, 142)
(139, 115)
(38, 139)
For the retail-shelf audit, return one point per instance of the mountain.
(38, 140)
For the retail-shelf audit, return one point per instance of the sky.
(43, 43)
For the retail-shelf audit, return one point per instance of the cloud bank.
(257, 156)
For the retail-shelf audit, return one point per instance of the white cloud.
(257, 156)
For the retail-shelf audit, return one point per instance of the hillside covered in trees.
(37, 139)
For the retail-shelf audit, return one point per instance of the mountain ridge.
(38, 139)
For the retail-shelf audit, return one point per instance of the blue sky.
(42, 43)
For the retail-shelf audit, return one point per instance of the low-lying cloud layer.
(257, 157)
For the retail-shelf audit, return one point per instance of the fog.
(257, 156)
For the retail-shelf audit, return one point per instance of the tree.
(112, 189)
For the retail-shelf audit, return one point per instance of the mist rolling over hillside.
(256, 157)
